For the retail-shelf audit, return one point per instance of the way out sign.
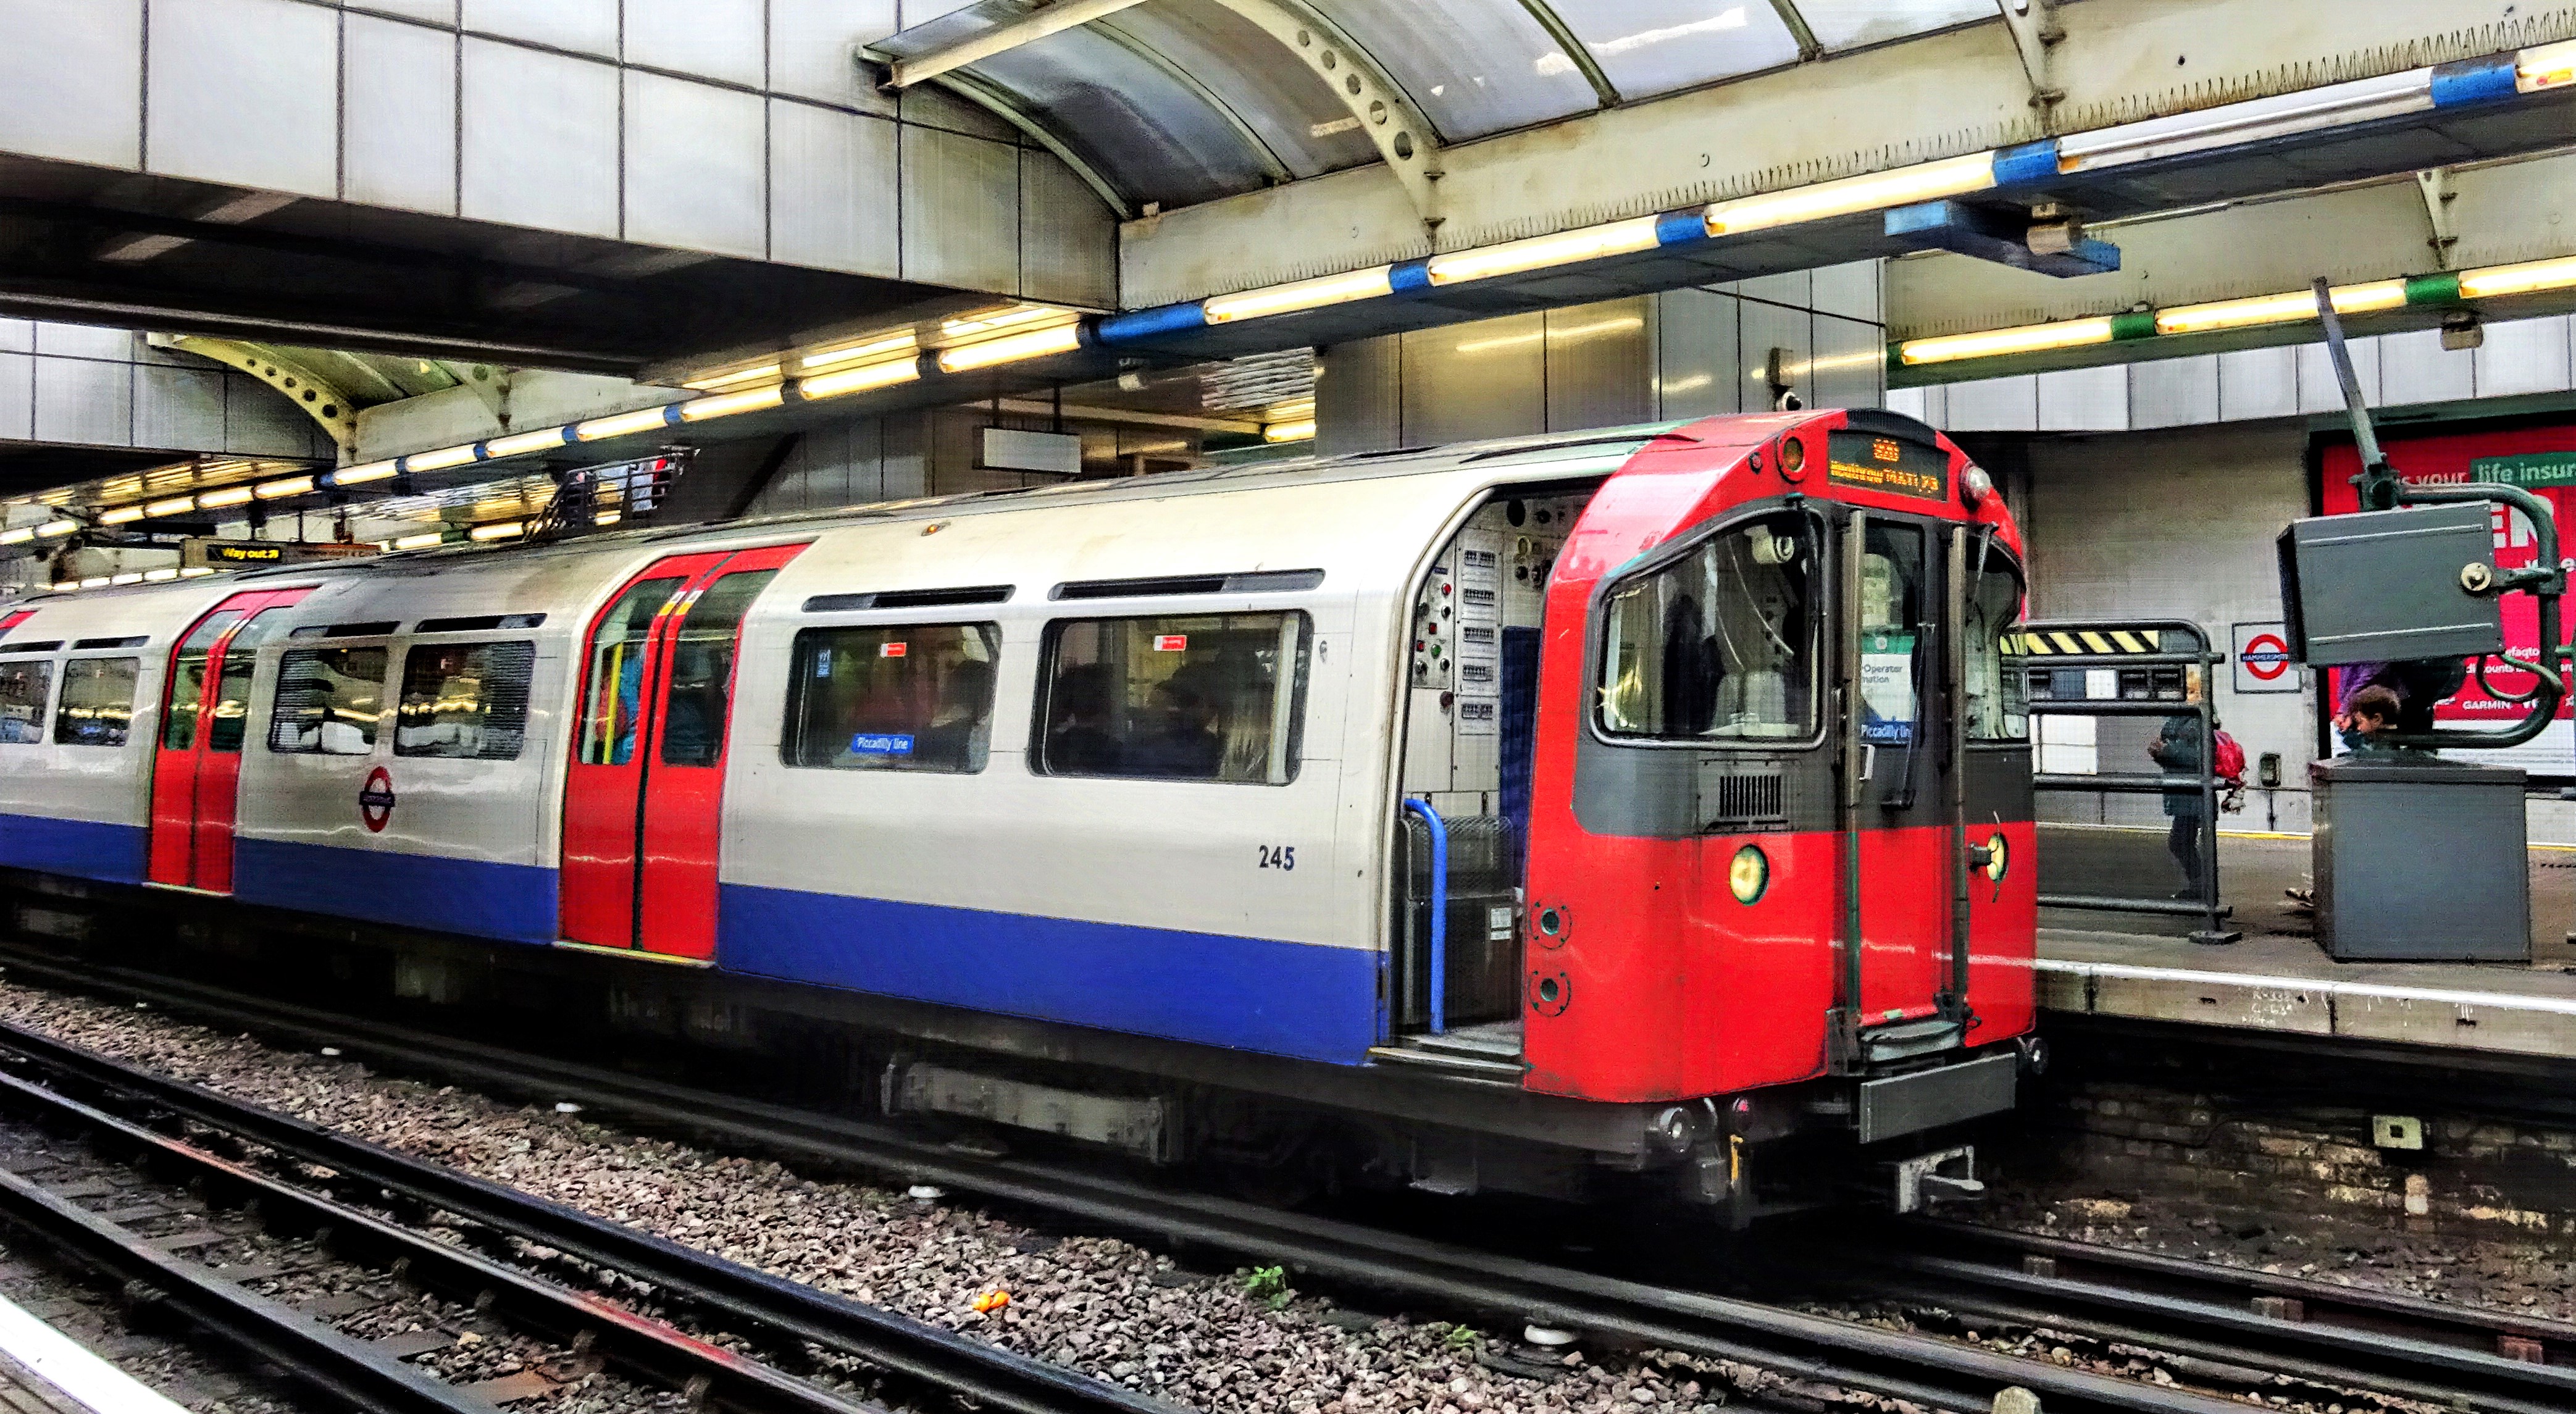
(2262, 656)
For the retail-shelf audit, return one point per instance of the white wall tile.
(84, 401)
(720, 39)
(2085, 399)
(1696, 341)
(2523, 356)
(961, 217)
(694, 169)
(17, 336)
(2415, 368)
(811, 43)
(17, 395)
(540, 140)
(1995, 405)
(1791, 287)
(71, 80)
(180, 409)
(2255, 383)
(437, 12)
(84, 341)
(1853, 291)
(1850, 361)
(260, 423)
(2173, 392)
(1068, 236)
(829, 177)
(584, 26)
(400, 115)
(1764, 327)
(247, 93)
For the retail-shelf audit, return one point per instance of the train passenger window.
(616, 679)
(98, 701)
(1719, 645)
(1186, 697)
(24, 686)
(896, 697)
(230, 715)
(1998, 709)
(701, 676)
(465, 701)
(188, 680)
(329, 701)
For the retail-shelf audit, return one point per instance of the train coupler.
(1942, 1176)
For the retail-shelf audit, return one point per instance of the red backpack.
(2229, 760)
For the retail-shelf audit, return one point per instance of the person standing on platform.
(2181, 750)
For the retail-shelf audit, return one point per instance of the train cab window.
(694, 705)
(329, 701)
(895, 697)
(230, 714)
(1998, 709)
(24, 688)
(465, 701)
(1719, 645)
(97, 705)
(1893, 626)
(1185, 697)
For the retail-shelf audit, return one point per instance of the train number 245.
(1278, 856)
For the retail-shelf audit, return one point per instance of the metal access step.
(1491, 1051)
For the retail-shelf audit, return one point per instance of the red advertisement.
(2541, 460)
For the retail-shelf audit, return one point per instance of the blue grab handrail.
(1439, 910)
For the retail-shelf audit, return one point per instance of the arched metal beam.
(1007, 108)
(320, 399)
(1576, 52)
(1405, 141)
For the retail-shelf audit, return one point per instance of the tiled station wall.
(73, 384)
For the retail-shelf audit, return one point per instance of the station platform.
(44, 1371)
(2139, 968)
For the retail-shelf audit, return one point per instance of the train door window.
(701, 675)
(98, 701)
(617, 655)
(188, 680)
(465, 701)
(1892, 630)
(230, 714)
(329, 701)
(1997, 708)
(24, 687)
(1189, 697)
(898, 697)
(1719, 645)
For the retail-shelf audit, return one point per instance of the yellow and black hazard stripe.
(2083, 643)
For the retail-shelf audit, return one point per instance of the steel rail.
(1793, 1344)
(913, 1349)
(347, 1369)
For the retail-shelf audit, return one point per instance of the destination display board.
(1868, 462)
(205, 552)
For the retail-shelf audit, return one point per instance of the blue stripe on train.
(1252, 994)
(83, 848)
(437, 892)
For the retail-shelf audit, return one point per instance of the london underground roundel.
(376, 800)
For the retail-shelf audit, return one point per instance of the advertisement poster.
(2541, 460)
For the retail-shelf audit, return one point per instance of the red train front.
(1780, 829)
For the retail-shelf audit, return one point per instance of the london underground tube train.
(1647, 812)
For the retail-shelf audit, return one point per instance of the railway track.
(203, 1234)
(2230, 1325)
(2218, 1349)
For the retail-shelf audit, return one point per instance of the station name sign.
(207, 553)
(1868, 462)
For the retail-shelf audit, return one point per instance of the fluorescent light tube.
(1303, 294)
(1993, 343)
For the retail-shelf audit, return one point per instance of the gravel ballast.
(1099, 1305)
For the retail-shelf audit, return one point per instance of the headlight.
(1749, 874)
(1998, 858)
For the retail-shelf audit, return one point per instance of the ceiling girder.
(320, 399)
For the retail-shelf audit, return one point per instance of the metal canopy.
(1169, 103)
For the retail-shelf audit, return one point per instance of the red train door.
(1903, 828)
(644, 795)
(196, 769)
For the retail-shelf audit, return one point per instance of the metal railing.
(2132, 668)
